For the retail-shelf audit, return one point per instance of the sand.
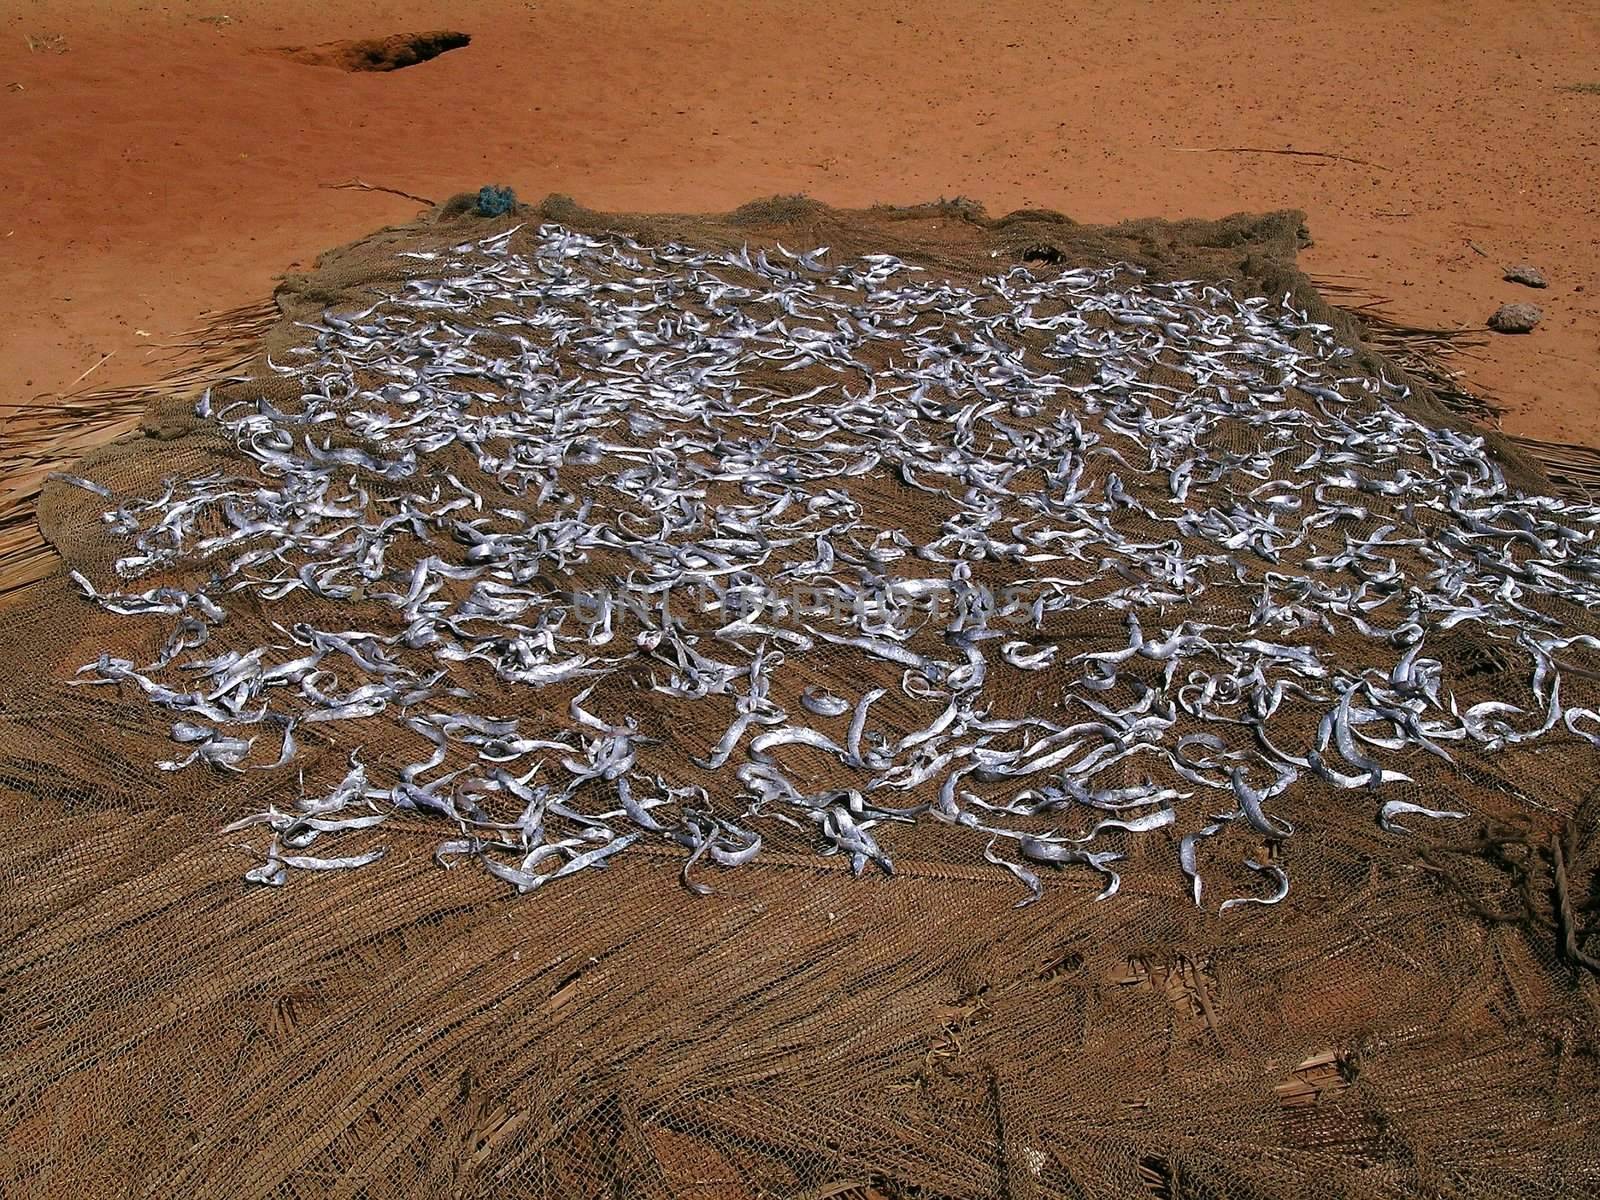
(161, 164)
(404, 1030)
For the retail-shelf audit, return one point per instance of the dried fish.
(1390, 809)
(1280, 888)
(647, 482)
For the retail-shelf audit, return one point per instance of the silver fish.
(1280, 882)
(1399, 808)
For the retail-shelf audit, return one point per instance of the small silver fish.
(1399, 808)
(1280, 881)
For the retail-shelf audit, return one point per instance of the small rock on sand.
(1515, 318)
(1526, 273)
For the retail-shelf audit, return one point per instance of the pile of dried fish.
(579, 470)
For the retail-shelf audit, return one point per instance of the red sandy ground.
(160, 166)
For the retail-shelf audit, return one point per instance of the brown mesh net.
(860, 1008)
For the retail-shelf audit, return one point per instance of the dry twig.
(363, 186)
(1265, 150)
(104, 358)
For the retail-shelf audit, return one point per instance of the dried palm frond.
(1574, 469)
(51, 432)
(1424, 352)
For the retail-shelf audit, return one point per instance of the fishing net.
(804, 703)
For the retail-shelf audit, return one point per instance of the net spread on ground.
(737, 550)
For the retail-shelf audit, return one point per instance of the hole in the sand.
(378, 54)
(1043, 253)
